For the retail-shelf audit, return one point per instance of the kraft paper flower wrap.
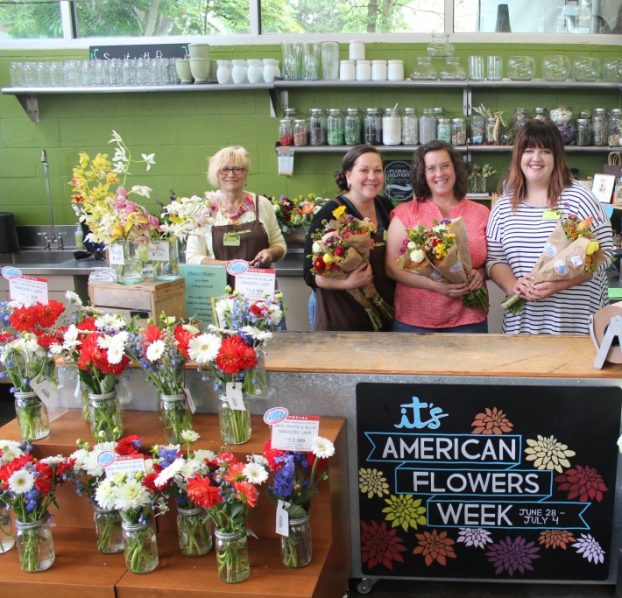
(343, 245)
(571, 249)
(442, 252)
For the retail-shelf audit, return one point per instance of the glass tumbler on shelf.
(292, 60)
(310, 61)
(329, 52)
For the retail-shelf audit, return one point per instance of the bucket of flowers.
(294, 214)
(227, 492)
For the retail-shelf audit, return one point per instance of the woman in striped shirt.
(541, 191)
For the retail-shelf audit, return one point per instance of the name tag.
(551, 215)
(231, 240)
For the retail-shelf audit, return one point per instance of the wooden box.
(147, 299)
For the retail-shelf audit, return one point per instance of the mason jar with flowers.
(9, 450)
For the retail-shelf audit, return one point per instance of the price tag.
(296, 433)
(44, 390)
(28, 289)
(157, 251)
(128, 464)
(190, 400)
(256, 282)
(233, 392)
(282, 518)
(115, 255)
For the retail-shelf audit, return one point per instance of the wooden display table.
(81, 571)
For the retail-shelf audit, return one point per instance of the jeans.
(311, 307)
(481, 327)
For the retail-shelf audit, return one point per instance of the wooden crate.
(147, 299)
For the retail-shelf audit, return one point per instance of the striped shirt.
(518, 238)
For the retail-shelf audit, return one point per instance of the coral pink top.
(428, 309)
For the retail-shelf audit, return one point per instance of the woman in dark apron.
(362, 180)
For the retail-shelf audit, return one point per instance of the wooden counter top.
(539, 356)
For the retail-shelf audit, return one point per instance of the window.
(24, 19)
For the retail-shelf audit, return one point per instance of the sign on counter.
(487, 481)
(202, 282)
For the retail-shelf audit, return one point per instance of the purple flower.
(513, 555)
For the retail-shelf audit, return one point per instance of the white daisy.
(155, 350)
(255, 473)
(322, 448)
(21, 481)
(110, 322)
(168, 473)
(9, 450)
(132, 495)
(105, 495)
(204, 455)
(73, 298)
(189, 436)
(204, 348)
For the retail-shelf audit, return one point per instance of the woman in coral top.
(439, 181)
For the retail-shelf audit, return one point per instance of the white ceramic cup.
(182, 66)
(200, 69)
(198, 50)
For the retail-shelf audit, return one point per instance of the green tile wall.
(184, 128)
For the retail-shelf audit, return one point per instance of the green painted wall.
(184, 128)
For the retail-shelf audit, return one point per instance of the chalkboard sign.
(397, 185)
(139, 51)
(487, 481)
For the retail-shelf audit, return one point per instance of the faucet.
(51, 238)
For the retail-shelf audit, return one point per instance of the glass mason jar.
(296, 548)
(410, 127)
(427, 126)
(140, 547)
(193, 532)
(372, 127)
(614, 127)
(32, 416)
(235, 424)
(519, 118)
(391, 127)
(478, 129)
(494, 131)
(562, 118)
(166, 259)
(584, 132)
(232, 556)
(124, 258)
(443, 130)
(317, 127)
(108, 532)
(458, 131)
(286, 131)
(7, 539)
(352, 127)
(334, 127)
(301, 132)
(35, 545)
(540, 113)
(105, 417)
(175, 416)
(599, 126)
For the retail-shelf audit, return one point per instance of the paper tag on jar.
(158, 251)
(282, 518)
(191, 404)
(233, 392)
(295, 433)
(44, 390)
(115, 255)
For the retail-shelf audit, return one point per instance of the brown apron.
(337, 310)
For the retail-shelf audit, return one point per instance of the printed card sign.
(28, 289)
(256, 283)
(202, 282)
(129, 464)
(487, 481)
(295, 433)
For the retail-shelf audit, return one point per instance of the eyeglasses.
(237, 170)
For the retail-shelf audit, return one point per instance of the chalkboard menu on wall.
(138, 51)
(487, 481)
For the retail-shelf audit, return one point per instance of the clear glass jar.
(372, 127)
(125, 259)
(7, 539)
(452, 70)
(458, 131)
(614, 128)
(317, 127)
(175, 416)
(232, 556)
(141, 548)
(108, 531)
(494, 131)
(584, 132)
(32, 416)
(297, 548)
(612, 70)
(440, 45)
(35, 545)
(556, 67)
(105, 417)
(301, 132)
(521, 68)
(286, 131)
(427, 126)
(478, 129)
(334, 127)
(599, 127)
(424, 69)
(443, 129)
(540, 113)
(166, 259)
(235, 424)
(586, 68)
(352, 127)
(193, 532)
(519, 118)
(391, 127)
(563, 119)
(410, 127)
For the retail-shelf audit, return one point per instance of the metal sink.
(42, 256)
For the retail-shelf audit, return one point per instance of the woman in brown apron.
(362, 180)
(245, 226)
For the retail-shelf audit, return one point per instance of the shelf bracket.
(278, 100)
(30, 104)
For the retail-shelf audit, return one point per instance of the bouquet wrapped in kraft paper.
(342, 246)
(571, 250)
(442, 252)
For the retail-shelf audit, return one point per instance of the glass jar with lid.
(427, 126)
(614, 128)
(317, 127)
(424, 69)
(410, 127)
(584, 132)
(599, 127)
(521, 68)
(519, 118)
(478, 129)
(440, 45)
(301, 132)
(286, 131)
(352, 127)
(391, 127)
(443, 129)
(452, 70)
(539, 113)
(334, 127)
(372, 127)
(563, 118)
(458, 131)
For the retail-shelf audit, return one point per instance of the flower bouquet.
(133, 494)
(9, 450)
(184, 216)
(24, 355)
(570, 250)
(478, 177)
(87, 473)
(295, 214)
(295, 479)
(227, 491)
(342, 246)
(442, 252)
(28, 486)
(161, 351)
(176, 469)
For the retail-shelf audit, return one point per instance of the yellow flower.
(592, 247)
(328, 259)
(337, 212)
